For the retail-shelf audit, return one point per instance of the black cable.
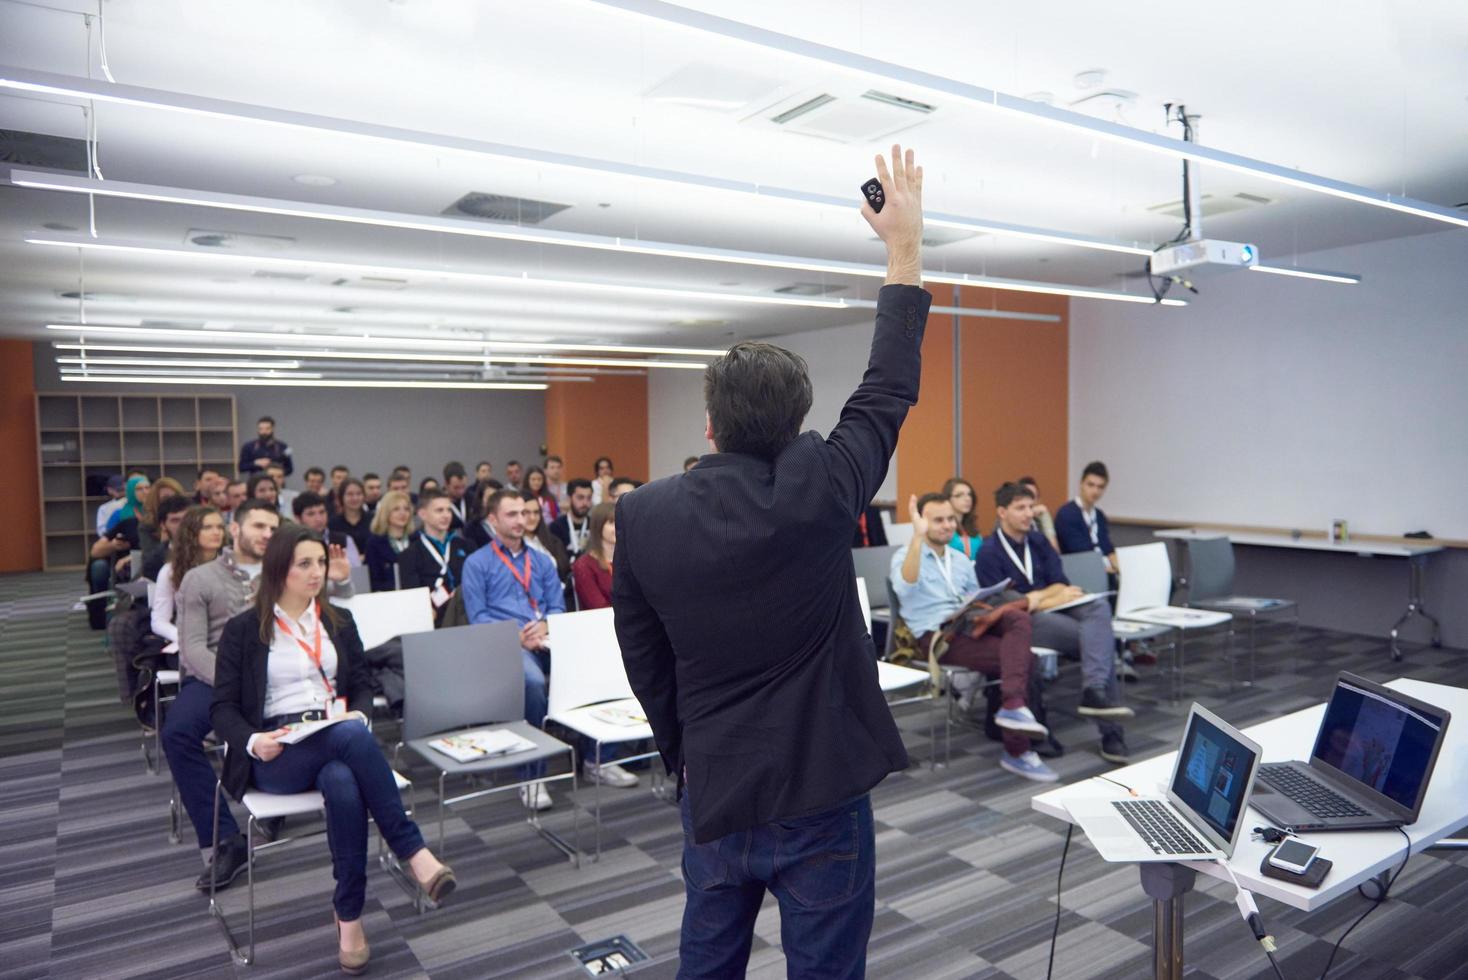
(1274, 963)
(1069, 829)
(1379, 899)
(1159, 294)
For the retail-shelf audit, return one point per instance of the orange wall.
(1014, 388)
(607, 417)
(20, 550)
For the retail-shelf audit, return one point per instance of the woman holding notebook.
(284, 667)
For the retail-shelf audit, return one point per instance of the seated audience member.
(477, 534)
(109, 554)
(933, 585)
(455, 485)
(555, 482)
(690, 463)
(402, 483)
(293, 657)
(116, 490)
(428, 483)
(315, 480)
(434, 559)
(619, 486)
(163, 488)
(285, 498)
(1043, 520)
(392, 533)
(538, 536)
(351, 517)
(371, 492)
(514, 475)
(170, 516)
(603, 472)
(573, 527)
(1081, 525)
(537, 487)
(960, 494)
(236, 493)
(870, 533)
(592, 571)
(262, 487)
(339, 475)
(508, 581)
(265, 449)
(219, 498)
(310, 512)
(204, 484)
(199, 539)
(1018, 552)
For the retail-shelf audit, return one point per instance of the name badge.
(439, 595)
(336, 707)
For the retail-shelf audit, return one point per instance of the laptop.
(1372, 761)
(1203, 811)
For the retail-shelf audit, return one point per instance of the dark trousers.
(1084, 631)
(822, 870)
(185, 724)
(346, 765)
(1003, 649)
(99, 579)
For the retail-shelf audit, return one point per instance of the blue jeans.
(822, 870)
(99, 579)
(345, 763)
(537, 667)
(185, 724)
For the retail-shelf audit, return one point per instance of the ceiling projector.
(1203, 251)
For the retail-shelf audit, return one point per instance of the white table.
(1357, 856)
(1416, 555)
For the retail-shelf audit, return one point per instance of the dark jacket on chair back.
(737, 611)
(240, 672)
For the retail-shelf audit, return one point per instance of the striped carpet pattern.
(90, 886)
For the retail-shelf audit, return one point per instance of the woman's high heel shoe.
(353, 962)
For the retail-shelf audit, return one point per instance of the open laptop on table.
(1203, 811)
(1372, 761)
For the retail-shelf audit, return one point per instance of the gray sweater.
(210, 596)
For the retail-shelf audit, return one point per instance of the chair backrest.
(1146, 577)
(361, 580)
(586, 661)
(381, 616)
(872, 566)
(465, 675)
(866, 604)
(1086, 570)
(1210, 568)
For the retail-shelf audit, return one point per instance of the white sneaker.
(535, 797)
(608, 775)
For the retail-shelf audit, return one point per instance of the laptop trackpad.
(1109, 828)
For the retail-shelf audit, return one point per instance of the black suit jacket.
(240, 673)
(737, 612)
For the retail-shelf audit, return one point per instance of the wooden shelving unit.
(84, 438)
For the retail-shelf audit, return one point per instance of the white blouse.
(292, 682)
(161, 608)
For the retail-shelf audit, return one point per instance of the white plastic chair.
(383, 616)
(1144, 597)
(587, 674)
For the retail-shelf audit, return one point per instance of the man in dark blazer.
(737, 614)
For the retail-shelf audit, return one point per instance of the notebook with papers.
(1199, 818)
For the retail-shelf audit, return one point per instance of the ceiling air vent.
(231, 240)
(855, 117)
(808, 106)
(371, 282)
(39, 150)
(1214, 205)
(503, 207)
(275, 274)
(898, 102)
(809, 289)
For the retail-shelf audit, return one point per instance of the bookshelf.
(84, 438)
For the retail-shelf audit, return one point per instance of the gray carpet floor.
(966, 874)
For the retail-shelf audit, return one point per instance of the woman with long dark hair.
(592, 571)
(148, 535)
(603, 470)
(539, 537)
(351, 517)
(294, 659)
(960, 494)
(537, 486)
(200, 538)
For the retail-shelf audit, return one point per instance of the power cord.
(1386, 889)
(1244, 899)
(1055, 932)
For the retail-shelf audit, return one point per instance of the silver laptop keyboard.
(1159, 828)
(1315, 797)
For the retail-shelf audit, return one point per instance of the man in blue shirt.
(1082, 526)
(1018, 552)
(933, 583)
(505, 580)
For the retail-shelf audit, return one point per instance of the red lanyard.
(866, 539)
(313, 651)
(524, 582)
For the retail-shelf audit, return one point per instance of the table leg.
(1416, 571)
(1166, 884)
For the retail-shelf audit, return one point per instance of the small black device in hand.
(872, 191)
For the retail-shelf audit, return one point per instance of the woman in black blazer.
(294, 659)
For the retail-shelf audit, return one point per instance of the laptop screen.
(1212, 775)
(1386, 746)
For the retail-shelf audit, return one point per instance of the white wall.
(1287, 402)
(837, 357)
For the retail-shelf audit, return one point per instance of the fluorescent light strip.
(67, 86)
(1284, 270)
(174, 362)
(988, 98)
(323, 383)
(165, 372)
(387, 219)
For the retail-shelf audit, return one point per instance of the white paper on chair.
(1244, 602)
(302, 730)
(1170, 614)
(483, 743)
(1088, 597)
(626, 713)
